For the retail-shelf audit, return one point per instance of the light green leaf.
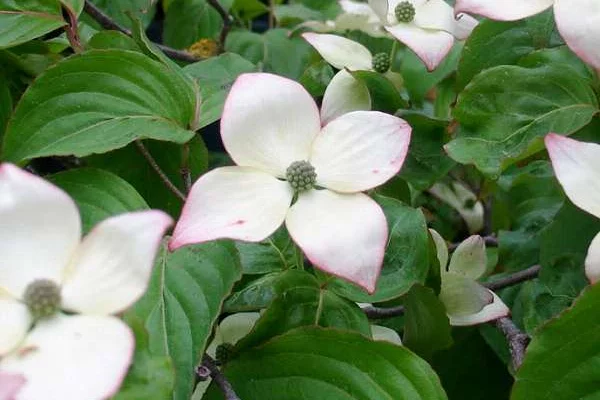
(311, 363)
(99, 194)
(563, 359)
(505, 111)
(183, 302)
(99, 101)
(24, 20)
(215, 77)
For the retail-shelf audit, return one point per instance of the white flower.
(270, 123)
(462, 200)
(577, 168)
(578, 21)
(84, 354)
(427, 27)
(345, 93)
(466, 301)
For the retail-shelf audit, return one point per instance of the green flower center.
(301, 175)
(42, 297)
(223, 353)
(405, 12)
(381, 62)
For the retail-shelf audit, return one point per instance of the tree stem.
(163, 177)
(209, 368)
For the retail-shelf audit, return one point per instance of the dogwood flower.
(427, 27)
(58, 293)
(577, 167)
(466, 301)
(272, 130)
(578, 21)
(345, 93)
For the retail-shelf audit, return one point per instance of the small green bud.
(301, 175)
(42, 297)
(405, 12)
(223, 353)
(381, 62)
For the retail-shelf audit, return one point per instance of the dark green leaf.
(24, 20)
(119, 10)
(384, 95)
(316, 78)
(276, 253)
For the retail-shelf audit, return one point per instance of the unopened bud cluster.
(223, 353)
(381, 62)
(301, 175)
(405, 12)
(42, 298)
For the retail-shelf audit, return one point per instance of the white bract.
(270, 122)
(462, 200)
(577, 168)
(467, 302)
(344, 93)
(431, 31)
(578, 21)
(84, 354)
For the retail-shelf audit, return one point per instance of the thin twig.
(227, 22)
(513, 279)
(381, 312)
(108, 23)
(209, 368)
(185, 172)
(72, 30)
(490, 241)
(517, 340)
(163, 177)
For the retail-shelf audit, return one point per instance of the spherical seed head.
(301, 175)
(405, 12)
(381, 62)
(42, 297)
(223, 353)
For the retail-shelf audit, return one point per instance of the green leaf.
(562, 359)
(406, 259)
(426, 162)
(261, 292)
(24, 20)
(130, 165)
(183, 302)
(426, 326)
(215, 77)
(99, 101)
(306, 306)
(120, 10)
(310, 363)
(290, 14)
(99, 194)
(248, 9)
(384, 95)
(276, 253)
(6, 104)
(149, 376)
(506, 110)
(112, 40)
(316, 78)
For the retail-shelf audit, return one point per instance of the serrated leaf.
(215, 77)
(505, 111)
(261, 292)
(99, 194)
(183, 302)
(406, 259)
(99, 101)
(562, 359)
(310, 363)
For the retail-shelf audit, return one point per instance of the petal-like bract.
(383, 333)
(340, 52)
(469, 259)
(344, 94)
(437, 15)
(592, 261)
(39, 229)
(441, 249)
(429, 45)
(497, 309)
(462, 295)
(343, 234)
(578, 22)
(14, 322)
(577, 167)
(10, 384)
(113, 264)
(268, 122)
(232, 202)
(505, 10)
(360, 150)
(72, 358)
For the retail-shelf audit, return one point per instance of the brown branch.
(373, 312)
(72, 30)
(107, 23)
(163, 177)
(517, 340)
(209, 368)
(511, 280)
(227, 23)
